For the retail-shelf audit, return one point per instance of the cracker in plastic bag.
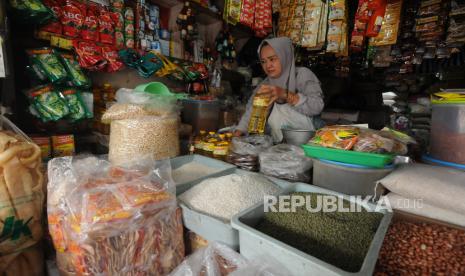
(339, 137)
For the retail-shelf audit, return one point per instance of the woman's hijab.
(285, 52)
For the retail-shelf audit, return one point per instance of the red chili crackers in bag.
(90, 26)
(111, 55)
(54, 26)
(89, 55)
(72, 18)
(106, 28)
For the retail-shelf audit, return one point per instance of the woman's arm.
(310, 96)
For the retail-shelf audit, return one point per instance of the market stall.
(236, 137)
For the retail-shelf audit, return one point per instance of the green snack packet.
(77, 107)
(36, 73)
(48, 103)
(47, 59)
(75, 73)
(33, 11)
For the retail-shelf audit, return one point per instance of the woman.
(295, 93)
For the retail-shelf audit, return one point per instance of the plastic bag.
(76, 104)
(251, 145)
(262, 266)
(49, 104)
(76, 75)
(339, 137)
(31, 11)
(214, 260)
(141, 124)
(21, 193)
(108, 220)
(371, 141)
(287, 162)
(49, 62)
(218, 259)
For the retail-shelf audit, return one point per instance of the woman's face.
(270, 62)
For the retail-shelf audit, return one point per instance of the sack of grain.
(142, 124)
(108, 220)
(21, 193)
(437, 186)
(29, 262)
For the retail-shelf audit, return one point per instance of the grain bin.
(448, 132)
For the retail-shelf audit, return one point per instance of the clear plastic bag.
(338, 136)
(371, 141)
(22, 193)
(142, 123)
(219, 260)
(287, 162)
(251, 145)
(214, 260)
(262, 266)
(108, 220)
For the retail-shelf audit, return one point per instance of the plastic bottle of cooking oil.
(258, 117)
(221, 148)
(209, 144)
(199, 141)
(229, 137)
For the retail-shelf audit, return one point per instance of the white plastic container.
(214, 229)
(348, 178)
(254, 243)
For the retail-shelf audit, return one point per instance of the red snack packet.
(54, 26)
(111, 55)
(247, 13)
(90, 26)
(89, 55)
(118, 20)
(106, 29)
(72, 18)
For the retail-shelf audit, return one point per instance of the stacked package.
(108, 220)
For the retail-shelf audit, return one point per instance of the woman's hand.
(274, 93)
(237, 133)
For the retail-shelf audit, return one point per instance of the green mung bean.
(339, 238)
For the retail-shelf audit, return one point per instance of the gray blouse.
(310, 97)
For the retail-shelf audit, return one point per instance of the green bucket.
(159, 88)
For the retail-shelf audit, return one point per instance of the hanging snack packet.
(48, 61)
(89, 55)
(111, 55)
(31, 11)
(106, 29)
(339, 137)
(75, 73)
(72, 18)
(76, 105)
(89, 28)
(48, 103)
(117, 5)
(36, 72)
(54, 25)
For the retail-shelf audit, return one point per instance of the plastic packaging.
(244, 151)
(21, 194)
(76, 105)
(48, 61)
(339, 137)
(75, 73)
(141, 124)
(49, 104)
(107, 220)
(286, 162)
(370, 141)
(251, 145)
(214, 260)
(217, 259)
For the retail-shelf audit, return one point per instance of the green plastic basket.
(374, 160)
